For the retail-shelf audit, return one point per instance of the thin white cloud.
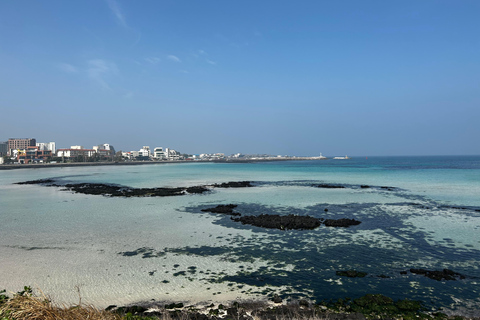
(128, 95)
(202, 52)
(184, 71)
(211, 62)
(113, 5)
(152, 60)
(68, 68)
(100, 70)
(173, 58)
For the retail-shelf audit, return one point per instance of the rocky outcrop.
(112, 190)
(329, 186)
(351, 274)
(233, 184)
(273, 221)
(223, 209)
(121, 191)
(444, 274)
(344, 223)
(39, 181)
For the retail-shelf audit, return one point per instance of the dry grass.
(23, 307)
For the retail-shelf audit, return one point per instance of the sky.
(346, 77)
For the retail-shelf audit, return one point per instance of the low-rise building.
(144, 152)
(172, 154)
(104, 149)
(159, 153)
(75, 152)
(47, 146)
(33, 155)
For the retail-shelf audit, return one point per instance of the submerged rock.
(344, 223)
(273, 221)
(388, 188)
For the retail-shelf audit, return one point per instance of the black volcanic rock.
(224, 209)
(197, 189)
(39, 181)
(233, 184)
(122, 191)
(329, 186)
(344, 223)
(351, 274)
(273, 221)
(388, 188)
(445, 274)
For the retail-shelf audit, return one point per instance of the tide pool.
(417, 212)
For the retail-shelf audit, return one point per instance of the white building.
(127, 155)
(172, 154)
(135, 154)
(104, 149)
(159, 153)
(74, 152)
(44, 146)
(144, 152)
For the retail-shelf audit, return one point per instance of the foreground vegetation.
(25, 305)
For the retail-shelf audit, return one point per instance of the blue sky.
(279, 77)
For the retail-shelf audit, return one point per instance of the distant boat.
(322, 157)
(341, 158)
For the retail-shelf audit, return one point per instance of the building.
(144, 152)
(104, 149)
(33, 154)
(159, 153)
(172, 154)
(75, 152)
(20, 144)
(127, 155)
(47, 146)
(3, 148)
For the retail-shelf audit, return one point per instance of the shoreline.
(366, 307)
(133, 163)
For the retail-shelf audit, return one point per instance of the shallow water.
(124, 250)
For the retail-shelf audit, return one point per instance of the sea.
(415, 213)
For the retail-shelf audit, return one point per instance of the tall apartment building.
(3, 148)
(21, 144)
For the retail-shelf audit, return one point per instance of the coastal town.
(23, 151)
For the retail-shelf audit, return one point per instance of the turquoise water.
(430, 218)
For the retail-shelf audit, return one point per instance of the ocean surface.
(111, 250)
